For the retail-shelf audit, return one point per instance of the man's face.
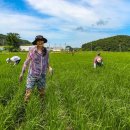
(40, 43)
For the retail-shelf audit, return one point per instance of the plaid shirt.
(38, 64)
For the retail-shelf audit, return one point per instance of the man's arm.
(25, 65)
(94, 65)
(94, 62)
(47, 60)
(14, 63)
(48, 65)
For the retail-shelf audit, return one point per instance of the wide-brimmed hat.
(39, 37)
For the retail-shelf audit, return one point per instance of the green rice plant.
(78, 97)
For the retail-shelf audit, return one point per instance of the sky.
(65, 22)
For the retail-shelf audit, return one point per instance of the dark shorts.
(99, 64)
(32, 81)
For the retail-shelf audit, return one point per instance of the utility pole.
(3, 42)
(120, 47)
(49, 46)
(65, 45)
(91, 47)
(55, 46)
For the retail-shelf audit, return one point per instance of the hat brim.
(35, 41)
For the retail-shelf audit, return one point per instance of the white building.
(25, 48)
(1, 48)
(56, 49)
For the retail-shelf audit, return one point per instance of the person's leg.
(41, 85)
(15, 63)
(27, 94)
(29, 86)
(41, 92)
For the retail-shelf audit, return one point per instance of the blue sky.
(70, 22)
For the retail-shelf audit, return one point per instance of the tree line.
(115, 43)
(12, 41)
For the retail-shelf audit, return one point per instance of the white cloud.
(117, 11)
(65, 10)
(95, 17)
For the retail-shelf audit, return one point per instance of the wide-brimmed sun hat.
(39, 37)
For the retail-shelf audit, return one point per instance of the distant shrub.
(8, 48)
(11, 49)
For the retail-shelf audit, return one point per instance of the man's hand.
(20, 77)
(50, 70)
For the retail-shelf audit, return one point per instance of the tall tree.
(13, 39)
(68, 48)
(2, 39)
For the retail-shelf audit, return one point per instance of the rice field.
(78, 97)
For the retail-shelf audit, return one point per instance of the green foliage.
(13, 39)
(2, 39)
(25, 42)
(8, 48)
(115, 43)
(68, 48)
(77, 49)
(11, 49)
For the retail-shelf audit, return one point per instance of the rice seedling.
(78, 97)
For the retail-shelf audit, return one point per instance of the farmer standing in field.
(38, 61)
(98, 61)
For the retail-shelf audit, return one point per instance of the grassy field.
(78, 97)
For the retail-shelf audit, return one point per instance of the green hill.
(115, 43)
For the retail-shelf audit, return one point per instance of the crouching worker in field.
(13, 60)
(38, 61)
(98, 61)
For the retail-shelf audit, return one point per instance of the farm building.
(1, 48)
(57, 49)
(25, 48)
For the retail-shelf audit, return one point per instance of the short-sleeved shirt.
(38, 63)
(96, 59)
